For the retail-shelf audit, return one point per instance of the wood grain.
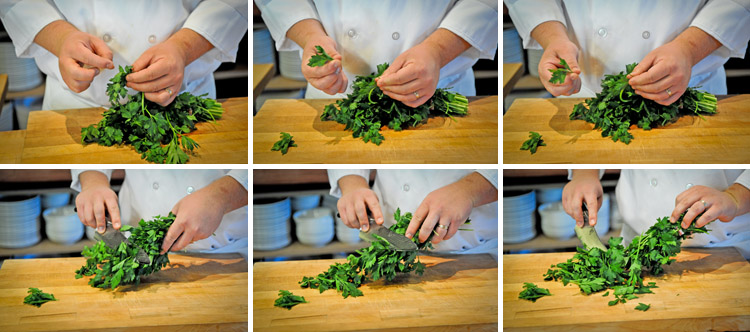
(468, 140)
(11, 146)
(455, 293)
(194, 293)
(262, 74)
(512, 72)
(705, 289)
(54, 137)
(722, 138)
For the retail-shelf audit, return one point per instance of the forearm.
(90, 179)
(352, 182)
(448, 45)
(585, 173)
(51, 37)
(191, 43)
(479, 189)
(698, 42)
(741, 197)
(228, 192)
(549, 31)
(304, 30)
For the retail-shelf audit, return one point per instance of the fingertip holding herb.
(287, 300)
(284, 143)
(532, 293)
(36, 297)
(534, 141)
(320, 58)
(558, 75)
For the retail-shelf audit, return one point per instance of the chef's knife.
(112, 238)
(396, 241)
(588, 231)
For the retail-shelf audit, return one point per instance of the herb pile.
(367, 109)
(156, 132)
(534, 141)
(284, 143)
(558, 75)
(36, 297)
(287, 300)
(320, 58)
(113, 267)
(532, 292)
(617, 107)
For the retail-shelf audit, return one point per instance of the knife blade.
(112, 238)
(396, 241)
(588, 231)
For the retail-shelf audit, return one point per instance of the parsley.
(367, 109)
(287, 300)
(534, 141)
(156, 132)
(532, 293)
(642, 306)
(113, 267)
(284, 143)
(320, 58)
(558, 75)
(617, 107)
(36, 297)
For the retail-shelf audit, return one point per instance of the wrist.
(53, 35)
(189, 44)
(305, 30)
(349, 183)
(445, 46)
(548, 32)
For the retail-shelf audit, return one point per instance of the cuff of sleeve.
(279, 19)
(570, 174)
(24, 21)
(490, 174)
(240, 175)
(76, 183)
(722, 20)
(335, 174)
(476, 23)
(744, 179)
(543, 11)
(226, 36)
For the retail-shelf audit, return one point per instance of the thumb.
(392, 69)
(642, 67)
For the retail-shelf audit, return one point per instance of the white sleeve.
(744, 179)
(528, 14)
(335, 174)
(570, 174)
(240, 175)
(475, 21)
(75, 184)
(279, 18)
(729, 22)
(223, 23)
(24, 19)
(490, 174)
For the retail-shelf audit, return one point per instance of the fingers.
(86, 214)
(100, 48)
(592, 204)
(693, 211)
(452, 229)
(411, 99)
(374, 206)
(173, 233)
(114, 211)
(441, 232)
(708, 216)
(653, 74)
(156, 85)
(101, 223)
(162, 97)
(403, 75)
(428, 226)
(361, 212)
(642, 66)
(662, 97)
(416, 220)
(331, 68)
(575, 207)
(153, 72)
(351, 218)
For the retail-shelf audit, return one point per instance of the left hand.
(198, 216)
(413, 76)
(665, 69)
(718, 205)
(449, 206)
(158, 72)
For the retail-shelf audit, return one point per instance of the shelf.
(281, 83)
(543, 242)
(47, 247)
(297, 249)
(35, 92)
(239, 71)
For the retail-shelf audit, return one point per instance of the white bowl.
(314, 226)
(62, 225)
(547, 195)
(55, 200)
(305, 202)
(555, 222)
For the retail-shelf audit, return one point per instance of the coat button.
(654, 182)
(352, 33)
(464, 248)
(190, 189)
(152, 39)
(106, 38)
(687, 186)
(481, 240)
(395, 36)
(646, 34)
(602, 32)
(406, 187)
(155, 186)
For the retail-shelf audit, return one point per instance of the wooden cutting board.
(722, 138)
(704, 290)
(199, 292)
(11, 146)
(471, 139)
(457, 292)
(55, 137)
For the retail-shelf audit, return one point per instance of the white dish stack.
(346, 234)
(19, 221)
(519, 219)
(271, 224)
(62, 225)
(314, 226)
(555, 222)
(307, 202)
(23, 74)
(548, 195)
(55, 200)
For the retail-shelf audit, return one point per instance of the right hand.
(584, 186)
(81, 58)
(329, 78)
(566, 50)
(353, 206)
(91, 204)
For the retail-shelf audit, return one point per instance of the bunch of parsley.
(617, 107)
(367, 109)
(156, 132)
(113, 267)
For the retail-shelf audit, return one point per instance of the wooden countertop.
(11, 146)
(456, 292)
(262, 74)
(512, 72)
(471, 139)
(704, 290)
(207, 292)
(722, 138)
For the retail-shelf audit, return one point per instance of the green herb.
(558, 75)
(36, 297)
(288, 300)
(534, 141)
(367, 109)
(532, 293)
(156, 132)
(642, 306)
(320, 58)
(284, 143)
(617, 107)
(113, 267)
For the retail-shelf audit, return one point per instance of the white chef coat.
(369, 33)
(129, 28)
(612, 34)
(406, 189)
(644, 195)
(147, 193)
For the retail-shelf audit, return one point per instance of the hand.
(80, 58)
(665, 69)
(158, 73)
(584, 186)
(356, 199)
(329, 78)
(556, 50)
(413, 75)
(719, 205)
(96, 196)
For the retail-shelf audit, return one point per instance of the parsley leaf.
(320, 58)
(642, 306)
(532, 293)
(534, 141)
(36, 297)
(287, 300)
(284, 143)
(558, 75)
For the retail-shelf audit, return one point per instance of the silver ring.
(669, 92)
(416, 94)
(704, 203)
(442, 226)
(169, 91)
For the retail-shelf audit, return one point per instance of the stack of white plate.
(290, 65)
(330, 202)
(548, 195)
(519, 219)
(19, 221)
(555, 222)
(314, 226)
(23, 74)
(300, 203)
(271, 224)
(62, 225)
(346, 234)
(55, 200)
(263, 47)
(512, 48)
